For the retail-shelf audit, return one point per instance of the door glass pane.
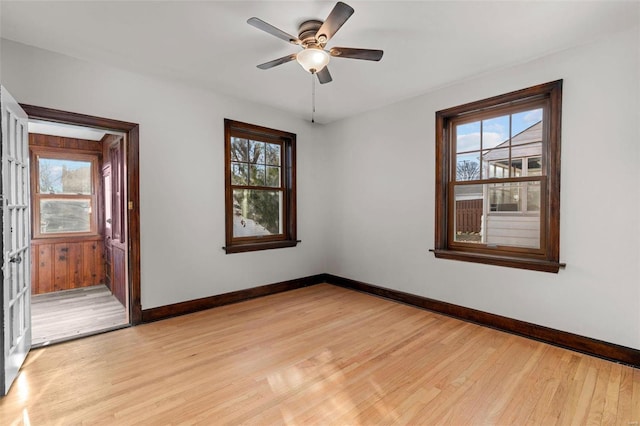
(58, 176)
(107, 199)
(58, 216)
(256, 212)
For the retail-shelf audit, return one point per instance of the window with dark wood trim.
(498, 180)
(260, 187)
(64, 193)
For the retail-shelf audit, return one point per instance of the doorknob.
(16, 259)
(108, 220)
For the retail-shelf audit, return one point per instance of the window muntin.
(497, 186)
(65, 200)
(260, 180)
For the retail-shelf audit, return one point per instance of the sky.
(495, 130)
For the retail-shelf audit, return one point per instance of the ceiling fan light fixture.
(313, 59)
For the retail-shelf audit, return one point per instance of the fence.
(468, 215)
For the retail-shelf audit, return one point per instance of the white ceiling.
(209, 44)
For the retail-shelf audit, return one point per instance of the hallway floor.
(70, 314)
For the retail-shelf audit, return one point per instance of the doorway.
(85, 242)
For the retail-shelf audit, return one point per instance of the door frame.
(133, 187)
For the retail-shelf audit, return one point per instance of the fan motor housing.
(307, 32)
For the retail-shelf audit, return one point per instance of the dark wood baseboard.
(587, 345)
(190, 306)
(598, 348)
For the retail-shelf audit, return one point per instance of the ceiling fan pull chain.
(313, 98)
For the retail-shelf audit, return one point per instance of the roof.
(522, 145)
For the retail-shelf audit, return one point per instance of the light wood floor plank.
(68, 314)
(317, 355)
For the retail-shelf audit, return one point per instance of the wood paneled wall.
(65, 264)
(58, 142)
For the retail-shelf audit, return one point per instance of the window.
(64, 194)
(498, 180)
(260, 172)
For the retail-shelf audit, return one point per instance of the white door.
(16, 281)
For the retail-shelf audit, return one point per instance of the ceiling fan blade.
(351, 53)
(324, 76)
(277, 62)
(338, 16)
(266, 27)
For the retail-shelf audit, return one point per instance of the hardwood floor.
(70, 314)
(321, 355)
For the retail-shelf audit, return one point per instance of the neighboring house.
(506, 213)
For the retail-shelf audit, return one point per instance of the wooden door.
(108, 233)
(114, 175)
(16, 293)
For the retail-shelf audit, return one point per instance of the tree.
(257, 164)
(467, 170)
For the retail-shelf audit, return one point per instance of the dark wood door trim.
(133, 190)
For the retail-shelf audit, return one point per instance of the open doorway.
(77, 287)
(85, 227)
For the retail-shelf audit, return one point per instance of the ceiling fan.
(313, 35)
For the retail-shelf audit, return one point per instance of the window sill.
(241, 248)
(511, 262)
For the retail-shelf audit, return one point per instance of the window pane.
(257, 175)
(504, 224)
(273, 154)
(504, 197)
(534, 166)
(468, 213)
(516, 167)
(256, 152)
(467, 166)
(273, 176)
(61, 216)
(533, 196)
(495, 131)
(256, 212)
(468, 137)
(239, 150)
(239, 173)
(64, 176)
(496, 163)
(525, 120)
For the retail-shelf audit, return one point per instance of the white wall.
(375, 172)
(181, 172)
(383, 219)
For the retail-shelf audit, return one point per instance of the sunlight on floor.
(315, 389)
